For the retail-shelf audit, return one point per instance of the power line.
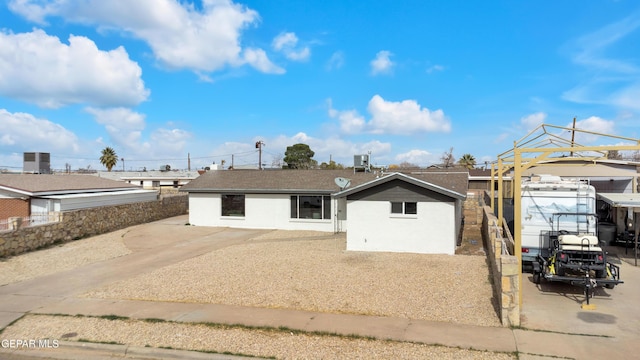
(246, 153)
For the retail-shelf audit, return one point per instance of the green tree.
(109, 158)
(468, 161)
(299, 156)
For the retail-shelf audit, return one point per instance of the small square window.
(396, 208)
(411, 208)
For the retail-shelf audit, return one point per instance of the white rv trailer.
(545, 195)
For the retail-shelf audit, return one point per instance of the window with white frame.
(310, 207)
(404, 207)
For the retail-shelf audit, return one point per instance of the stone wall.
(89, 222)
(504, 270)
(473, 208)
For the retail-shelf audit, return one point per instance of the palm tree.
(109, 158)
(468, 161)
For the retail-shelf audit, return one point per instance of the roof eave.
(258, 191)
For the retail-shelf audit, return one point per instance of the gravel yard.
(278, 271)
(301, 270)
(263, 343)
(62, 257)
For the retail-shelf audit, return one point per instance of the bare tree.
(276, 160)
(447, 159)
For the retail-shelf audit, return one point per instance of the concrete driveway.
(154, 246)
(556, 307)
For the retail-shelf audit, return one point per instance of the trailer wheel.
(536, 277)
(559, 269)
(609, 286)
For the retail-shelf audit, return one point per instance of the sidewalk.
(530, 344)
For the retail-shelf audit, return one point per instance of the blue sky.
(161, 80)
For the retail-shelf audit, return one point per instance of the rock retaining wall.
(504, 270)
(89, 222)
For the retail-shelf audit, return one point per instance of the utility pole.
(122, 164)
(259, 145)
(189, 161)
(573, 133)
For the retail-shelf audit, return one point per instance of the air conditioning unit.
(361, 162)
(37, 163)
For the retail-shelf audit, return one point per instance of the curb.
(72, 350)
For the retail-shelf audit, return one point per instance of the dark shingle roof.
(44, 183)
(317, 181)
(419, 180)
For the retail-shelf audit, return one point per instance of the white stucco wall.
(262, 211)
(372, 227)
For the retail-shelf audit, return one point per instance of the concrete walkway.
(57, 294)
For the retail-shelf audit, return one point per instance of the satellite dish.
(342, 182)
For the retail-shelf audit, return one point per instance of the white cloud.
(390, 117)
(283, 40)
(350, 121)
(382, 64)
(170, 142)
(532, 121)
(404, 117)
(179, 34)
(417, 157)
(609, 80)
(335, 148)
(336, 61)
(38, 68)
(435, 68)
(25, 132)
(123, 125)
(258, 59)
(592, 124)
(286, 43)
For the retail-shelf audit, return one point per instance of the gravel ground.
(303, 270)
(318, 275)
(262, 343)
(62, 257)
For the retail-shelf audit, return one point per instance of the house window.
(310, 207)
(406, 207)
(175, 183)
(232, 205)
(155, 183)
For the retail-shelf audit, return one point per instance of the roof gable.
(405, 178)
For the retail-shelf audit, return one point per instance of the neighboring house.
(609, 176)
(153, 179)
(311, 200)
(23, 195)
